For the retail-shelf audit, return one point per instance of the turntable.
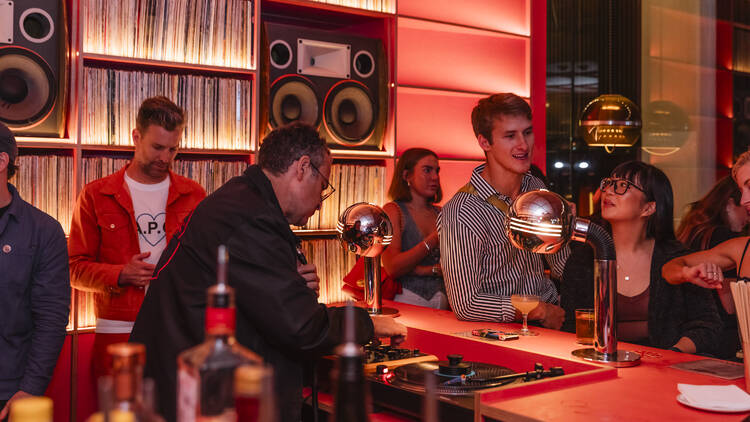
(401, 388)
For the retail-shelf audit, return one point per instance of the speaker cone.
(281, 54)
(364, 64)
(293, 98)
(27, 88)
(350, 113)
(36, 25)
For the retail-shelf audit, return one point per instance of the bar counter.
(592, 391)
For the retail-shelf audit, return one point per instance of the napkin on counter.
(728, 397)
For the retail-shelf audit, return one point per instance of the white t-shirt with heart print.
(150, 209)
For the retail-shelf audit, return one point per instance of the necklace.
(627, 277)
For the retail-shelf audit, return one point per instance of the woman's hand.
(705, 274)
(433, 241)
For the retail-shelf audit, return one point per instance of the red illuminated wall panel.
(438, 120)
(724, 93)
(456, 58)
(454, 175)
(724, 146)
(507, 15)
(724, 34)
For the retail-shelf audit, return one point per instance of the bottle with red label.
(205, 373)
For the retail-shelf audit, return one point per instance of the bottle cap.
(134, 353)
(248, 379)
(127, 369)
(114, 416)
(31, 409)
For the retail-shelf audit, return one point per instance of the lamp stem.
(605, 293)
(373, 299)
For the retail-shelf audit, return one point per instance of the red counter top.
(646, 392)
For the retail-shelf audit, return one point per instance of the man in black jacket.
(278, 315)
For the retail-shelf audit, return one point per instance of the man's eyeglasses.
(620, 186)
(328, 189)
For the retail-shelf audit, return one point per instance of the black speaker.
(331, 80)
(33, 67)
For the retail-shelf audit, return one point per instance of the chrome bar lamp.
(366, 230)
(541, 221)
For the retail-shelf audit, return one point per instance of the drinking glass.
(585, 326)
(525, 304)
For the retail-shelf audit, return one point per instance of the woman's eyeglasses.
(620, 186)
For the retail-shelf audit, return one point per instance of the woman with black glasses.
(637, 206)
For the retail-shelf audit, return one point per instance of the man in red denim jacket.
(122, 223)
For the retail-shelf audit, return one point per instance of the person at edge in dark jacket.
(34, 288)
(278, 314)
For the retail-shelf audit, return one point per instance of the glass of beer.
(525, 304)
(585, 326)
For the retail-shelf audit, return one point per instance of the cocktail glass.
(525, 304)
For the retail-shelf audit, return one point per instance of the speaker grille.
(293, 98)
(350, 113)
(27, 88)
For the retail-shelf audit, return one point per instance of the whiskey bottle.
(205, 373)
(350, 401)
(124, 389)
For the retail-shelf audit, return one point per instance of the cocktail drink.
(525, 304)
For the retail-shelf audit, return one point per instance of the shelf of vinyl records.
(316, 234)
(46, 180)
(103, 59)
(34, 142)
(217, 33)
(180, 151)
(375, 8)
(354, 183)
(218, 110)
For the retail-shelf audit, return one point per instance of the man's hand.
(707, 275)
(551, 316)
(136, 272)
(19, 395)
(389, 327)
(310, 274)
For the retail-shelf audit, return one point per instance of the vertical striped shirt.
(481, 268)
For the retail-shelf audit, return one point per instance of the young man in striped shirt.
(480, 266)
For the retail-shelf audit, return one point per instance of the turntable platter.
(479, 375)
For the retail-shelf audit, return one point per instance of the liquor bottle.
(205, 373)
(350, 401)
(124, 390)
(254, 395)
(31, 409)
